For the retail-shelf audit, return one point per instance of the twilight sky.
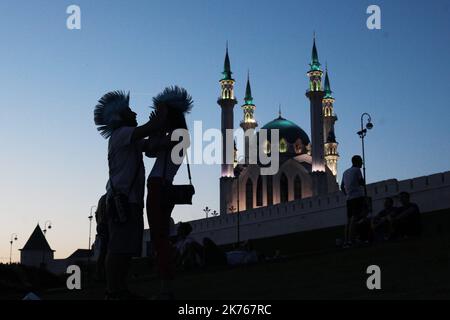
(53, 162)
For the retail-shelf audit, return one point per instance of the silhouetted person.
(125, 188)
(407, 222)
(189, 253)
(102, 237)
(382, 222)
(352, 186)
(159, 204)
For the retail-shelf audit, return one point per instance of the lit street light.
(47, 226)
(206, 210)
(362, 134)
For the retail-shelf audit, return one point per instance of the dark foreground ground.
(410, 269)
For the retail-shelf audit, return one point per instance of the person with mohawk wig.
(159, 203)
(126, 185)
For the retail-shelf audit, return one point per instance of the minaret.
(315, 94)
(226, 102)
(248, 124)
(329, 118)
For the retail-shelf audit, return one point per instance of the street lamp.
(47, 225)
(237, 173)
(206, 210)
(13, 238)
(215, 213)
(362, 133)
(232, 209)
(90, 226)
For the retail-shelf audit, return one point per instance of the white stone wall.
(429, 192)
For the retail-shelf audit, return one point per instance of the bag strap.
(187, 163)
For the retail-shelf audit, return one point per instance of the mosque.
(307, 164)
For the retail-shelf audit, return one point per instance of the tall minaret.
(315, 94)
(248, 124)
(226, 102)
(329, 118)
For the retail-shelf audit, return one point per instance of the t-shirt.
(352, 185)
(125, 160)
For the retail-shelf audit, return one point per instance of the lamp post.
(362, 134)
(47, 226)
(237, 172)
(13, 238)
(214, 213)
(206, 210)
(90, 232)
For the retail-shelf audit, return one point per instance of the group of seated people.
(190, 254)
(392, 222)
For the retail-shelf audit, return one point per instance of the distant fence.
(429, 192)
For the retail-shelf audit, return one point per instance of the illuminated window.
(283, 145)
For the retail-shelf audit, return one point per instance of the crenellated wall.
(429, 192)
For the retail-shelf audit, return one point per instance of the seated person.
(213, 255)
(381, 223)
(407, 221)
(189, 253)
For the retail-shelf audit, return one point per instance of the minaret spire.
(248, 124)
(248, 91)
(328, 91)
(329, 118)
(226, 101)
(315, 95)
(227, 66)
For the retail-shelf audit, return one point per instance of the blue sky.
(53, 162)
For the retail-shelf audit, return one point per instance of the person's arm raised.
(156, 123)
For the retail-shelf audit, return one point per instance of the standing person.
(353, 187)
(125, 188)
(159, 203)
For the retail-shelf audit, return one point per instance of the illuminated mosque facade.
(307, 164)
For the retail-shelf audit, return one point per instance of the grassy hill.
(315, 269)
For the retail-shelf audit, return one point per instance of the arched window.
(283, 145)
(284, 188)
(297, 188)
(259, 192)
(249, 194)
(269, 190)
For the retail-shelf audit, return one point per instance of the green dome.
(288, 130)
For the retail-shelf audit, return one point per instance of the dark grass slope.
(314, 269)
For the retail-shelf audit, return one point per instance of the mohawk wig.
(108, 112)
(175, 99)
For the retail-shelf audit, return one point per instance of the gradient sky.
(53, 162)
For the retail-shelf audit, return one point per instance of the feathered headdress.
(108, 112)
(176, 99)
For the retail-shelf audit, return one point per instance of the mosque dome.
(288, 130)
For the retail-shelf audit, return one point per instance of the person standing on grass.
(353, 187)
(125, 188)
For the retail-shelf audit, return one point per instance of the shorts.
(126, 238)
(356, 207)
